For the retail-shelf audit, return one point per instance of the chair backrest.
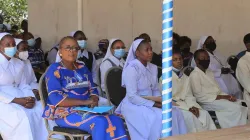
(114, 91)
(43, 93)
(187, 70)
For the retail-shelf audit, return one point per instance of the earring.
(60, 54)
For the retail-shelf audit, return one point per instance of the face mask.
(82, 43)
(119, 53)
(211, 46)
(31, 42)
(176, 70)
(186, 50)
(102, 47)
(204, 63)
(23, 55)
(10, 52)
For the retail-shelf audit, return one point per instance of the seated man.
(211, 98)
(196, 118)
(243, 71)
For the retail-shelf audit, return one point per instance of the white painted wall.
(227, 20)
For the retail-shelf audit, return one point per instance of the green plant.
(13, 11)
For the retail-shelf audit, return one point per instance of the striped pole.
(167, 34)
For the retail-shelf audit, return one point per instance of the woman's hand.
(95, 101)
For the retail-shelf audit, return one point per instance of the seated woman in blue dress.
(70, 85)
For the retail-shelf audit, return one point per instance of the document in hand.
(99, 109)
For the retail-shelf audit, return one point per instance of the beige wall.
(227, 20)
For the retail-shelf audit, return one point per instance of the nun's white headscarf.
(109, 53)
(72, 33)
(18, 41)
(201, 42)
(3, 34)
(199, 46)
(131, 54)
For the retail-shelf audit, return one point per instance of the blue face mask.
(31, 42)
(10, 52)
(119, 53)
(82, 43)
(176, 70)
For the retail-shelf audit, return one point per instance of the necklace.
(66, 67)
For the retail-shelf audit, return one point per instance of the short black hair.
(79, 32)
(246, 39)
(145, 36)
(176, 52)
(176, 36)
(136, 38)
(184, 39)
(197, 53)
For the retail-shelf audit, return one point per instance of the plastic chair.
(72, 134)
(114, 91)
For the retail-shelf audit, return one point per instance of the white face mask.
(23, 55)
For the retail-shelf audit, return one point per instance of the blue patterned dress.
(63, 83)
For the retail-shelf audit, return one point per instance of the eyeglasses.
(68, 48)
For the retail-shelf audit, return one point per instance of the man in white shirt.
(243, 71)
(196, 118)
(208, 94)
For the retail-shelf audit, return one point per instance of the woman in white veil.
(220, 68)
(139, 77)
(113, 57)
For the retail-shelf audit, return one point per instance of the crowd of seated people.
(71, 75)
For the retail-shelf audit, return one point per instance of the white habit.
(16, 121)
(243, 75)
(183, 96)
(227, 83)
(206, 90)
(108, 62)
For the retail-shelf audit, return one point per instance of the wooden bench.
(236, 133)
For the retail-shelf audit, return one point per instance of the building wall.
(227, 20)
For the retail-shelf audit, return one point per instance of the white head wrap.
(18, 41)
(3, 34)
(109, 53)
(131, 54)
(73, 33)
(199, 46)
(201, 42)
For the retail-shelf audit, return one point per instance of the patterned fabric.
(78, 84)
(36, 57)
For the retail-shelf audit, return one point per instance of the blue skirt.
(101, 127)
